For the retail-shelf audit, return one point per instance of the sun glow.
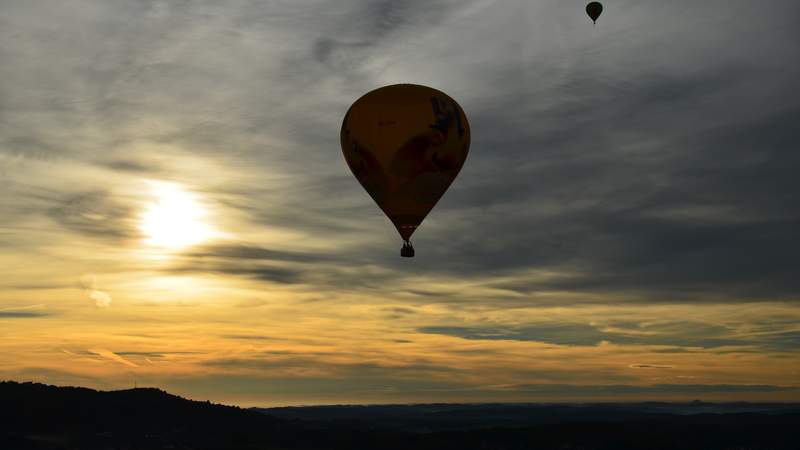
(176, 219)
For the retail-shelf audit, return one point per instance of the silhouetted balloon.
(594, 9)
(405, 144)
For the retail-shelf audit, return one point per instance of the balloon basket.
(407, 251)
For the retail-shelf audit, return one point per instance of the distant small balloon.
(594, 9)
(405, 144)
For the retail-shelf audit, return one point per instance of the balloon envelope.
(594, 9)
(405, 144)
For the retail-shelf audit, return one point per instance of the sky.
(176, 211)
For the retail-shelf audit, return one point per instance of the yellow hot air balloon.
(405, 143)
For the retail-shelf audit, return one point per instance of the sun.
(175, 219)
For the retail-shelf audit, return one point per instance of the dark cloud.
(661, 205)
(248, 337)
(132, 166)
(38, 286)
(784, 341)
(675, 350)
(29, 146)
(255, 253)
(400, 310)
(650, 366)
(369, 23)
(685, 335)
(427, 293)
(384, 17)
(151, 354)
(95, 214)
(332, 270)
(270, 274)
(318, 205)
(325, 50)
(253, 262)
(354, 370)
(573, 334)
(23, 314)
(590, 390)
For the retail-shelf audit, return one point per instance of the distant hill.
(37, 416)
(441, 417)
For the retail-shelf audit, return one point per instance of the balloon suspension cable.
(408, 250)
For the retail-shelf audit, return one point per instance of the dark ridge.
(444, 417)
(74, 417)
(42, 417)
(37, 405)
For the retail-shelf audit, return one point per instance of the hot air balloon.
(594, 9)
(405, 143)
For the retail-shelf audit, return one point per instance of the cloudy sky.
(176, 210)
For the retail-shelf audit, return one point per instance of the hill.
(35, 415)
